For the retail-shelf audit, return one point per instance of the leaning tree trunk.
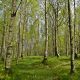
(10, 39)
(70, 32)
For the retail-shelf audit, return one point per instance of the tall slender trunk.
(55, 37)
(46, 37)
(19, 37)
(24, 28)
(78, 43)
(66, 33)
(10, 39)
(74, 48)
(3, 36)
(56, 26)
(71, 45)
(22, 52)
(57, 29)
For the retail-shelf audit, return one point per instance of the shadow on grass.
(64, 59)
(33, 71)
(26, 71)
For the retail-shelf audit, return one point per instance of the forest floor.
(31, 68)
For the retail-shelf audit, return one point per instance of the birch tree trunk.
(9, 52)
(19, 37)
(46, 37)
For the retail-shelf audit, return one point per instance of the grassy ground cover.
(31, 68)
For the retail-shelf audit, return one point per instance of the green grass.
(31, 68)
